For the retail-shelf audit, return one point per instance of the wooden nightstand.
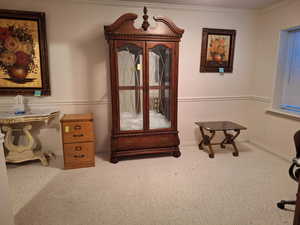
(78, 140)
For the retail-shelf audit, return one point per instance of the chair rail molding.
(262, 99)
(212, 98)
(8, 103)
(41, 102)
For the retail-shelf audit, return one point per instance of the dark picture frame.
(217, 52)
(24, 66)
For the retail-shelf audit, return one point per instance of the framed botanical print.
(217, 51)
(23, 53)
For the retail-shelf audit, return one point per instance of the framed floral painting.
(23, 53)
(217, 50)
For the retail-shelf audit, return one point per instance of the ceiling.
(240, 4)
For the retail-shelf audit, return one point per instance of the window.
(287, 89)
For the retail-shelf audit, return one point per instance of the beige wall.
(269, 130)
(78, 57)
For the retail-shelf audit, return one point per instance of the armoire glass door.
(130, 85)
(160, 83)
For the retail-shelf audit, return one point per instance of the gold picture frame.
(23, 53)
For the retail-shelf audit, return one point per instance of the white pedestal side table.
(14, 126)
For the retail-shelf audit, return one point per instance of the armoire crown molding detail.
(126, 22)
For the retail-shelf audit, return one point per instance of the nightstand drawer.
(77, 132)
(79, 152)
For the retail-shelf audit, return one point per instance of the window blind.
(291, 90)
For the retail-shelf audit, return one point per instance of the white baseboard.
(188, 143)
(264, 148)
(247, 143)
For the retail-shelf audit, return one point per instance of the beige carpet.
(156, 191)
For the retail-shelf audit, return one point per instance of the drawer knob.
(77, 127)
(78, 148)
(77, 135)
(78, 156)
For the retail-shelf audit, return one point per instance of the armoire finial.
(145, 24)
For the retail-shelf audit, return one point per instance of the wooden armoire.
(144, 83)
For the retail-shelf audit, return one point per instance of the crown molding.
(157, 5)
(275, 6)
(189, 7)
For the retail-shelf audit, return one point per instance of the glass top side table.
(14, 126)
(212, 127)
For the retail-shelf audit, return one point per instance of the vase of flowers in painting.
(16, 53)
(217, 50)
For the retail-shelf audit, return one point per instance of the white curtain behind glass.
(130, 119)
(153, 69)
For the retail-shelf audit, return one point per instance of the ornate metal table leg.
(200, 144)
(210, 152)
(222, 144)
(236, 151)
(230, 140)
(203, 137)
(207, 141)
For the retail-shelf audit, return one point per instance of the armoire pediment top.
(123, 28)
